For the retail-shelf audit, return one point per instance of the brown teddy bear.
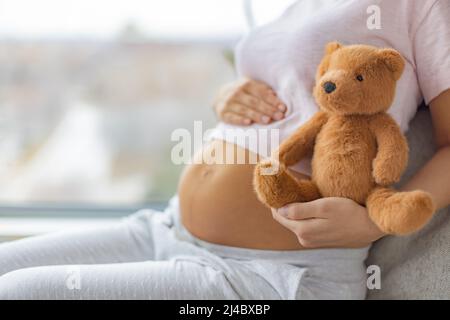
(358, 149)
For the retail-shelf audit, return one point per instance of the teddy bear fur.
(358, 149)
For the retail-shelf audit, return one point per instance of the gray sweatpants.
(149, 255)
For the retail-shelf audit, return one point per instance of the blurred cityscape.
(90, 121)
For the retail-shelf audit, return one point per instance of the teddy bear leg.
(399, 213)
(280, 188)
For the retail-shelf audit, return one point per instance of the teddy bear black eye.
(359, 77)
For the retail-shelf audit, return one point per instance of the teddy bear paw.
(402, 213)
(269, 167)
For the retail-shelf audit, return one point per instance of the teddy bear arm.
(392, 153)
(301, 142)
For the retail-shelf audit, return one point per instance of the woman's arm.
(434, 177)
(340, 222)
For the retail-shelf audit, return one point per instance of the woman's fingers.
(305, 210)
(249, 100)
(265, 93)
(260, 106)
(249, 113)
(307, 231)
(329, 222)
(236, 119)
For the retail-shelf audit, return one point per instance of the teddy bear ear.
(332, 47)
(394, 61)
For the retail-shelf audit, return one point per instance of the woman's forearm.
(434, 177)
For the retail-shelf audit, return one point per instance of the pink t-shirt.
(286, 52)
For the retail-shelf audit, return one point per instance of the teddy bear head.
(357, 79)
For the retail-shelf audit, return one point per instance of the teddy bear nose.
(329, 87)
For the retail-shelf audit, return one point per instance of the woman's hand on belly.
(329, 222)
(247, 101)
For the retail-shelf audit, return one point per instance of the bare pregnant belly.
(218, 205)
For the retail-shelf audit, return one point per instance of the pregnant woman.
(215, 240)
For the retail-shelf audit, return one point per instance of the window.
(90, 91)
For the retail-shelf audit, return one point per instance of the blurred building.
(90, 121)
